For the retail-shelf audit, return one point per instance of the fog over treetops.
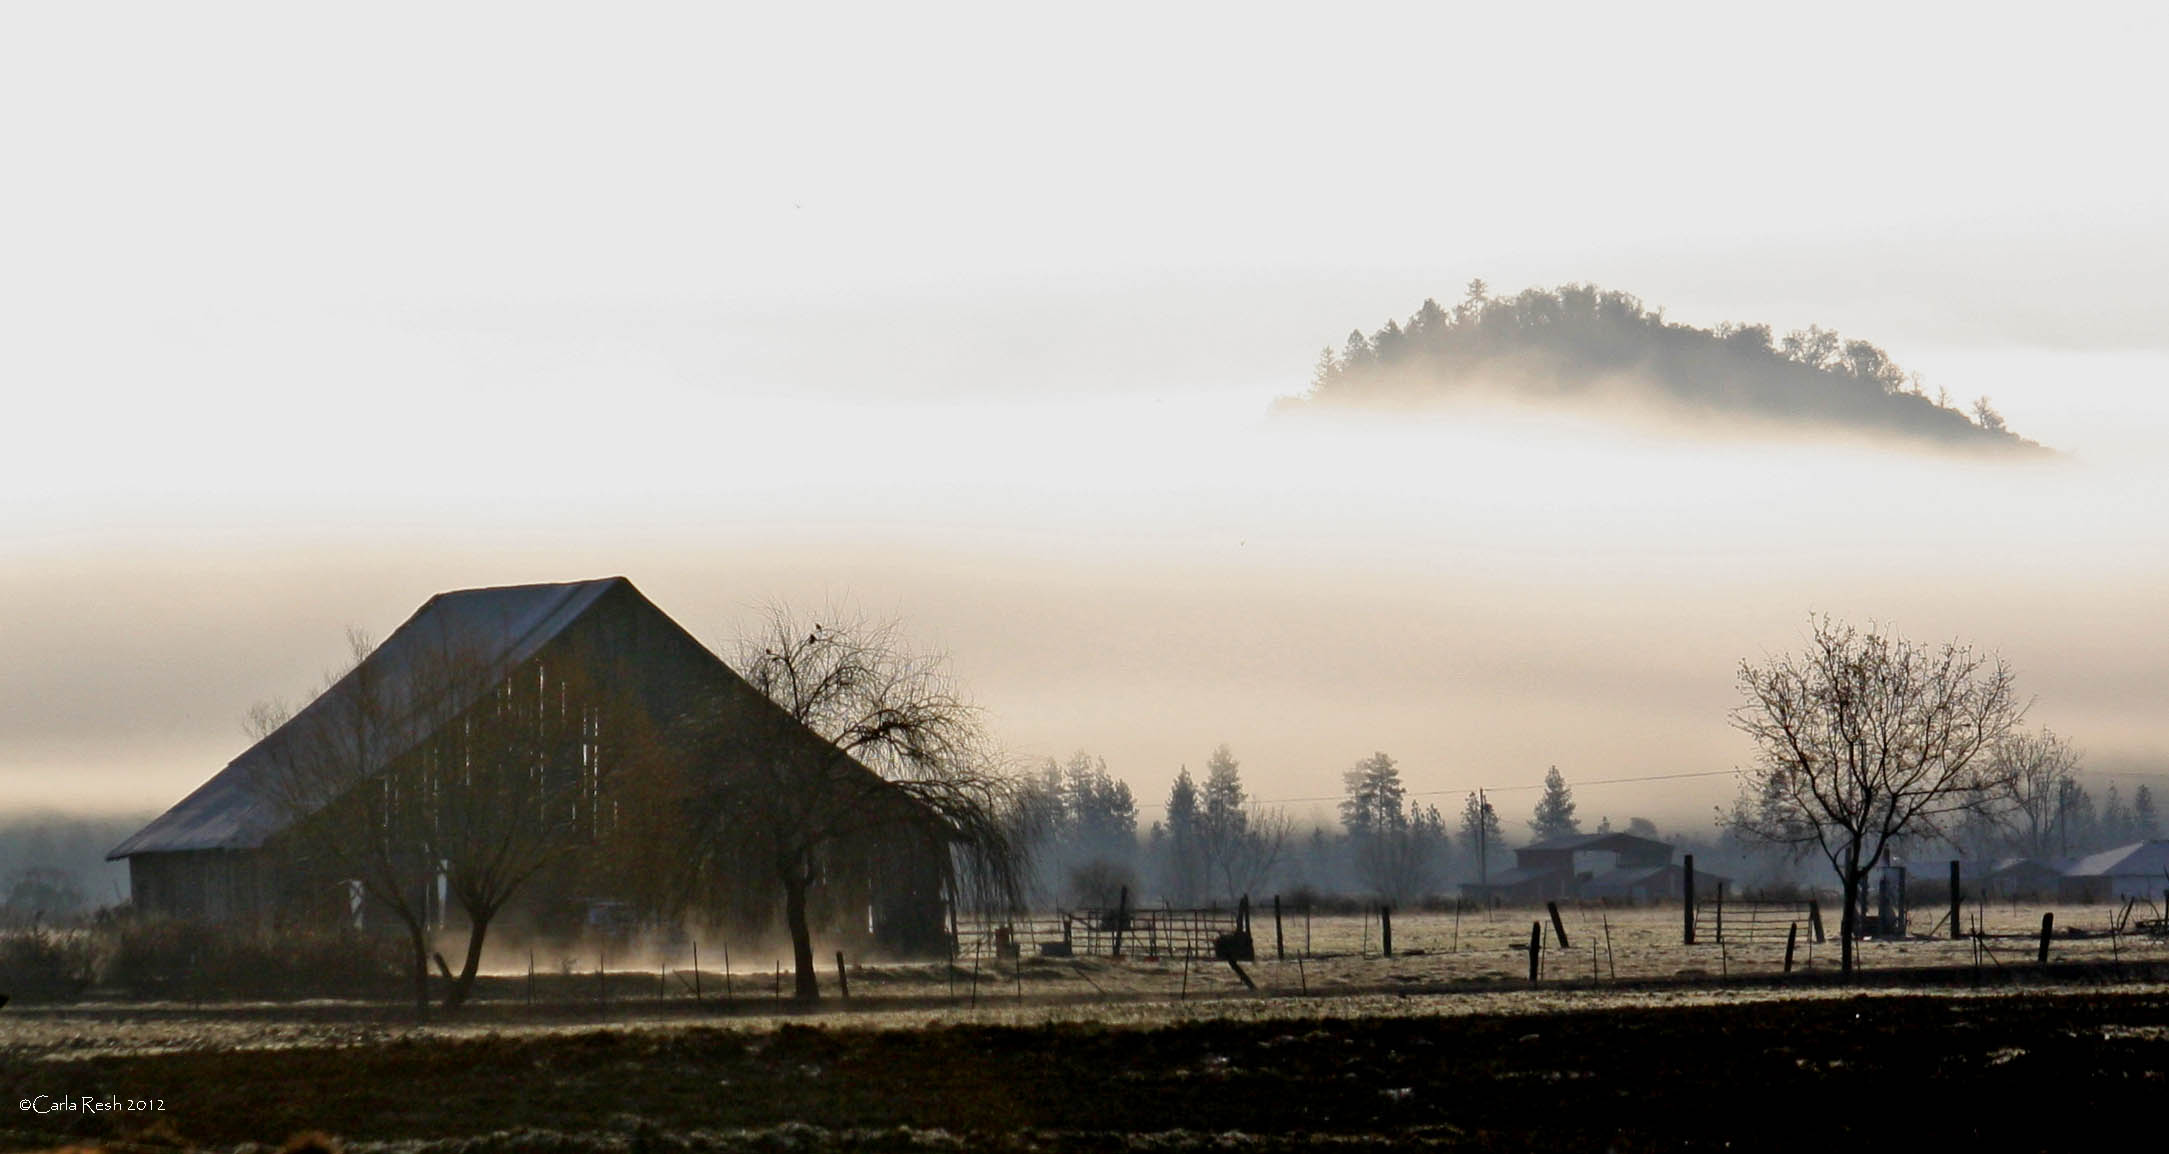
(1577, 344)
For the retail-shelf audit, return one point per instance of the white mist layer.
(1481, 593)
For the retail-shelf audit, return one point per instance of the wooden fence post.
(1792, 935)
(2048, 925)
(843, 980)
(1687, 889)
(1280, 944)
(1536, 951)
(1815, 918)
(1385, 929)
(1956, 933)
(1558, 927)
(1122, 919)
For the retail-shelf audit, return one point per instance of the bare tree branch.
(936, 779)
(1867, 738)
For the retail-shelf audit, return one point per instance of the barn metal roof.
(1597, 843)
(2139, 859)
(503, 626)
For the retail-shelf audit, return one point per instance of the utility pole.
(1483, 852)
(2063, 830)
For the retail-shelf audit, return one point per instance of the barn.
(1620, 866)
(2138, 870)
(600, 682)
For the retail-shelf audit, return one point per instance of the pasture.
(1638, 1043)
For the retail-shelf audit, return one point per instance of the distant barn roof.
(1599, 843)
(503, 626)
(2139, 859)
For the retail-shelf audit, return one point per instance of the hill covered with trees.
(1579, 344)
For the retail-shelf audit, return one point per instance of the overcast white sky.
(972, 315)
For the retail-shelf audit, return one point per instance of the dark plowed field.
(2024, 1071)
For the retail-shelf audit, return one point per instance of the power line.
(1573, 784)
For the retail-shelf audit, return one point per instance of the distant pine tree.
(1182, 870)
(1555, 810)
(1375, 796)
(2146, 823)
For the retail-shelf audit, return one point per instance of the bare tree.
(1401, 858)
(1866, 738)
(344, 818)
(936, 779)
(519, 779)
(441, 769)
(2036, 771)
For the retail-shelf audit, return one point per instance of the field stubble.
(1443, 965)
(1444, 1044)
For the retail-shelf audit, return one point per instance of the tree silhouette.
(914, 768)
(1481, 837)
(1555, 810)
(1239, 841)
(1866, 738)
(2035, 771)
(1578, 339)
(1396, 850)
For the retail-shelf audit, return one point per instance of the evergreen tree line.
(1577, 339)
(2047, 814)
(1216, 843)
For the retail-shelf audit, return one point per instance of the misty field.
(1478, 953)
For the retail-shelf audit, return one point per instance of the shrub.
(43, 964)
(166, 957)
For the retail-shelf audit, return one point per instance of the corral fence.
(1146, 933)
(1721, 920)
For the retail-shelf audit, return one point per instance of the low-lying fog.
(1481, 593)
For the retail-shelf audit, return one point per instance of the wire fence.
(1147, 934)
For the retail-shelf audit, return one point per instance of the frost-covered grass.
(1444, 964)
(1478, 966)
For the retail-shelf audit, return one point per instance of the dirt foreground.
(2030, 1069)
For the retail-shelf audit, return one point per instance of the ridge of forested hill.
(1582, 342)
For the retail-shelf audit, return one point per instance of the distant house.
(2012, 878)
(233, 850)
(1619, 866)
(2138, 870)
